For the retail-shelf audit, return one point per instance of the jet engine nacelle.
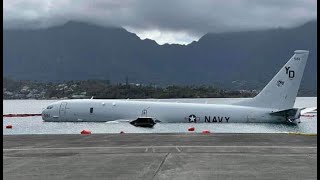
(144, 122)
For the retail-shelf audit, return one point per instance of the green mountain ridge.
(80, 51)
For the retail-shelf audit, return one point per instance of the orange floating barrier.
(9, 126)
(205, 132)
(20, 115)
(307, 115)
(85, 131)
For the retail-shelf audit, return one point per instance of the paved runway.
(160, 156)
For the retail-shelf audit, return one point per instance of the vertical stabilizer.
(281, 91)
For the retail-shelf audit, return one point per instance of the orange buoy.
(20, 115)
(9, 126)
(85, 131)
(205, 132)
(121, 132)
(191, 129)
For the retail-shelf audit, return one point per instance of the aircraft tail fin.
(280, 93)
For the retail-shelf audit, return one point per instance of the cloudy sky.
(165, 21)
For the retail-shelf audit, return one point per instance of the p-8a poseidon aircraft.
(274, 104)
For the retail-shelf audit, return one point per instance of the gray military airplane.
(274, 104)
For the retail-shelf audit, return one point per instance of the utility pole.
(127, 81)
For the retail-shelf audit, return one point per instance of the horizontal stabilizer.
(311, 110)
(291, 115)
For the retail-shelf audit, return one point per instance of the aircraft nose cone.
(44, 114)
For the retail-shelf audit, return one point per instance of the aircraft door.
(144, 112)
(62, 110)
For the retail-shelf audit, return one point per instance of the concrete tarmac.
(160, 156)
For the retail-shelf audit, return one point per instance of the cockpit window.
(50, 107)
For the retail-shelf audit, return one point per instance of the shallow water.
(35, 125)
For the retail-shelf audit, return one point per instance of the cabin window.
(50, 107)
(91, 110)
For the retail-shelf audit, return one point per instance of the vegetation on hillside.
(104, 89)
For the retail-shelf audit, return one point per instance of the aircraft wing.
(119, 121)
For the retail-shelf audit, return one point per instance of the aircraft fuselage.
(88, 110)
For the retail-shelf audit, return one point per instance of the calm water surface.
(35, 125)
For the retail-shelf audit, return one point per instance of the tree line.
(103, 89)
